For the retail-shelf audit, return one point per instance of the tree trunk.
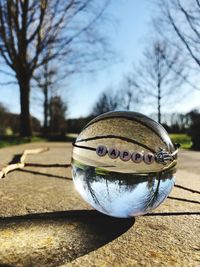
(46, 107)
(25, 121)
(159, 104)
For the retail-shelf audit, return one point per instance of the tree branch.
(188, 19)
(171, 20)
(21, 163)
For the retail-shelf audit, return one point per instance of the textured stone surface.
(44, 222)
(43, 240)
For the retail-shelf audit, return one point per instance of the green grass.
(183, 139)
(72, 135)
(11, 140)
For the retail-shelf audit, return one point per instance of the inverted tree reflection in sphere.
(122, 186)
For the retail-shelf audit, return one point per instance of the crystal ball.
(124, 164)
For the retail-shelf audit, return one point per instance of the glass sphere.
(123, 164)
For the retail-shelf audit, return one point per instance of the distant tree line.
(188, 123)
(76, 125)
(59, 125)
(56, 123)
(10, 122)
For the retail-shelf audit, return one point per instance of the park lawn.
(12, 140)
(183, 139)
(9, 140)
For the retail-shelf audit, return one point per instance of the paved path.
(44, 222)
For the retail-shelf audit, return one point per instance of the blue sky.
(129, 36)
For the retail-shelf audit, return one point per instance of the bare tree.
(156, 76)
(108, 101)
(179, 24)
(28, 28)
(180, 20)
(129, 97)
(46, 79)
(126, 97)
(57, 115)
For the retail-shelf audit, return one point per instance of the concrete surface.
(44, 222)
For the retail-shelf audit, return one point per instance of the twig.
(21, 163)
(32, 152)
